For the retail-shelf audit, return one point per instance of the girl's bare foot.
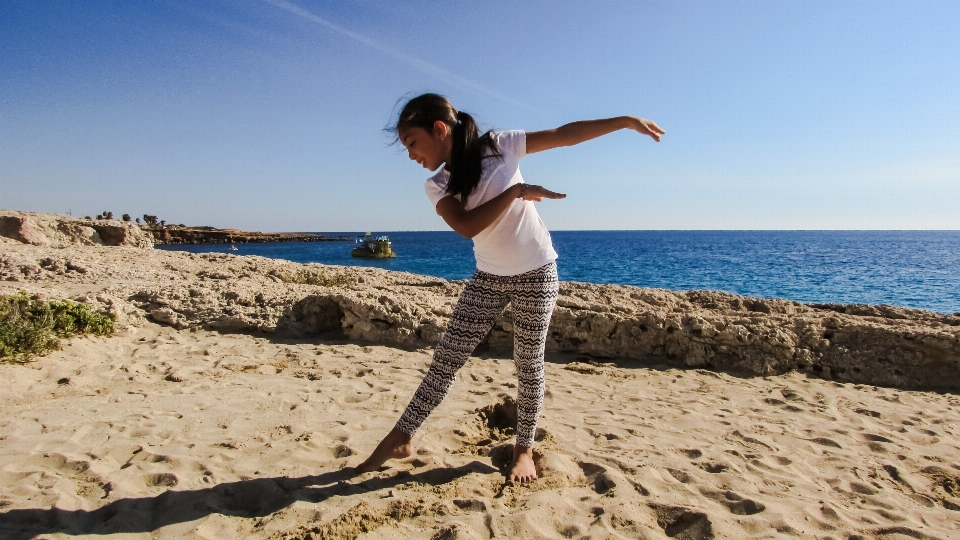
(396, 445)
(524, 469)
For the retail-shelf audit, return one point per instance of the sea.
(917, 269)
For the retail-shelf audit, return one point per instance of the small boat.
(369, 247)
(233, 248)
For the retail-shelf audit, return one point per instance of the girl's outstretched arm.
(584, 130)
(471, 223)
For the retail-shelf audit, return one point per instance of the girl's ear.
(440, 129)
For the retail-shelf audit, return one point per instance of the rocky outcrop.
(875, 345)
(704, 329)
(879, 345)
(52, 230)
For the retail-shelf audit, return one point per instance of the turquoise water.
(919, 269)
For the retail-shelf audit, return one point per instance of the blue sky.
(269, 115)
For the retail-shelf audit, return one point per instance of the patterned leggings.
(533, 295)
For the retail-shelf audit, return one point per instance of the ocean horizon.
(915, 269)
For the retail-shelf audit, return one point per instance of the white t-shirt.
(517, 241)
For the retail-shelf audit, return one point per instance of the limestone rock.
(54, 230)
(166, 315)
(17, 267)
(125, 314)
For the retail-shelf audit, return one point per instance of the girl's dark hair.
(467, 155)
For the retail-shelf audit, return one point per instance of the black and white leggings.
(533, 295)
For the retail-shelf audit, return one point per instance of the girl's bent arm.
(584, 130)
(470, 223)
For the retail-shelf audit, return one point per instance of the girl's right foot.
(524, 468)
(396, 445)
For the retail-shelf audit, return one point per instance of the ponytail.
(467, 154)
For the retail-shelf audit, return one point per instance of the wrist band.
(523, 190)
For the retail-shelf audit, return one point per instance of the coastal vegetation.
(147, 219)
(30, 327)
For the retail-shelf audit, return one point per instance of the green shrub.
(30, 327)
(317, 277)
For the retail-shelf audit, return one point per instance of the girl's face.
(430, 149)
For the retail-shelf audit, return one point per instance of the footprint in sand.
(875, 438)
(470, 505)
(736, 503)
(680, 522)
(603, 480)
(750, 442)
(161, 479)
(867, 412)
(681, 476)
(591, 469)
(455, 531)
(713, 467)
(823, 441)
(863, 489)
(342, 451)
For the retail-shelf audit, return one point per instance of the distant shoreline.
(174, 235)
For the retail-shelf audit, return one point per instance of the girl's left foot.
(396, 445)
(524, 469)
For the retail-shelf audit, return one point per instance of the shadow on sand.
(247, 498)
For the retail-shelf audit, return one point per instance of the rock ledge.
(880, 345)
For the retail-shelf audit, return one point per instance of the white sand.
(159, 433)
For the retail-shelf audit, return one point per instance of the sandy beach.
(193, 422)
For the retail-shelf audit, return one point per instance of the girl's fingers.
(537, 193)
(649, 127)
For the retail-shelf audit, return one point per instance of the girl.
(480, 194)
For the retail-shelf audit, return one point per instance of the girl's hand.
(531, 192)
(645, 127)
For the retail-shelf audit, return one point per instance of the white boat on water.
(370, 247)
